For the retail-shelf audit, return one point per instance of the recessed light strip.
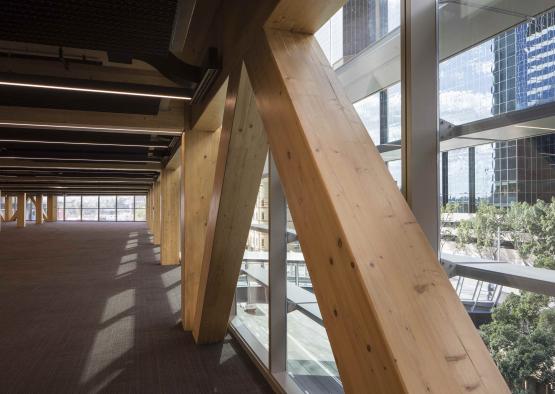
(91, 90)
(85, 143)
(88, 128)
(75, 159)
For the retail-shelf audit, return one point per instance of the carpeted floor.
(86, 307)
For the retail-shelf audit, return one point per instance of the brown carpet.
(86, 307)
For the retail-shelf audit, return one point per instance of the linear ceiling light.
(92, 90)
(88, 128)
(535, 127)
(85, 143)
(75, 159)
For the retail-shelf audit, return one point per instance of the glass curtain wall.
(103, 208)
(349, 40)
(496, 95)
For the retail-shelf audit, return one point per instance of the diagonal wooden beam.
(242, 152)
(393, 319)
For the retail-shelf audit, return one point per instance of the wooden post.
(148, 210)
(199, 152)
(170, 202)
(21, 209)
(52, 208)
(156, 211)
(8, 208)
(241, 156)
(39, 219)
(393, 319)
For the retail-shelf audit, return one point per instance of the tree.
(483, 229)
(447, 223)
(521, 339)
(532, 230)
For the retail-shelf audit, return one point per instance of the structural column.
(170, 202)
(8, 208)
(51, 208)
(156, 219)
(39, 218)
(21, 209)
(199, 152)
(420, 142)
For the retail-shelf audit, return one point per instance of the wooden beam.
(233, 26)
(170, 203)
(21, 209)
(199, 156)
(393, 319)
(84, 71)
(15, 163)
(241, 156)
(305, 16)
(170, 121)
(39, 219)
(52, 208)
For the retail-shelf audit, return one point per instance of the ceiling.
(99, 95)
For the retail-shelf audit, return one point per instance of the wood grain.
(199, 156)
(241, 156)
(393, 319)
(170, 230)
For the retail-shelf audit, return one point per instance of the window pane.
(125, 215)
(369, 111)
(73, 202)
(125, 202)
(107, 201)
(107, 215)
(90, 201)
(309, 351)
(90, 214)
(251, 296)
(73, 213)
(140, 201)
(140, 215)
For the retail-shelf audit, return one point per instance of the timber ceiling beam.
(29, 164)
(167, 122)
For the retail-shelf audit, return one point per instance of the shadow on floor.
(86, 307)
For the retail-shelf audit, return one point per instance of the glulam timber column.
(21, 209)
(199, 152)
(8, 209)
(394, 322)
(51, 208)
(156, 211)
(242, 152)
(170, 203)
(148, 209)
(39, 218)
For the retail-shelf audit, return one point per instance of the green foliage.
(521, 339)
(532, 230)
(482, 229)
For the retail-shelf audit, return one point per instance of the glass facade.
(102, 208)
